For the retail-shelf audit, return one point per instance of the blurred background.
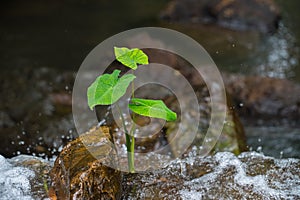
(43, 43)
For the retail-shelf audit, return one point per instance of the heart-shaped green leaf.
(131, 57)
(152, 108)
(108, 88)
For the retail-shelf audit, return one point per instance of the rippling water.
(59, 34)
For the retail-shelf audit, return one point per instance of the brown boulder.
(77, 174)
(263, 97)
(259, 15)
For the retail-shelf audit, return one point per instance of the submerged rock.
(79, 172)
(262, 15)
(264, 98)
(24, 177)
(222, 176)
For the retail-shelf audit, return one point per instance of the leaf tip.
(173, 116)
(91, 107)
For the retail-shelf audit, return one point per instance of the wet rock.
(264, 98)
(222, 176)
(233, 137)
(62, 102)
(24, 177)
(79, 172)
(262, 16)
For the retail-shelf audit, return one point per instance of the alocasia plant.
(107, 89)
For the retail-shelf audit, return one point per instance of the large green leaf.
(108, 88)
(152, 108)
(131, 57)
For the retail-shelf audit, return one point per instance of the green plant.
(107, 89)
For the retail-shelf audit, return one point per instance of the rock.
(264, 98)
(222, 176)
(233, 137)
(77, 174)
(262, 15)
(24, 177)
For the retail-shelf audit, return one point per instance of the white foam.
(14, 181)
(286, 186)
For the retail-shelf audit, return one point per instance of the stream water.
(59, 34)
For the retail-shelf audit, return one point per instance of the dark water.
(59, 34)
(279, 142)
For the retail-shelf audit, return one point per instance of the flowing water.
(59, 34)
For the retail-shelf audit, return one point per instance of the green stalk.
(131, 151)
(129, 144)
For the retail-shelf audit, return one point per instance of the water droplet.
(281, 154)
(60, 148)
(259, 139)
(101, 122)
(259, 149)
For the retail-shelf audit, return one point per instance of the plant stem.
(129, 143)
(131, 152)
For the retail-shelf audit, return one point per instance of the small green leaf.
(152, 108)
(108, 88)
(131, 57)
